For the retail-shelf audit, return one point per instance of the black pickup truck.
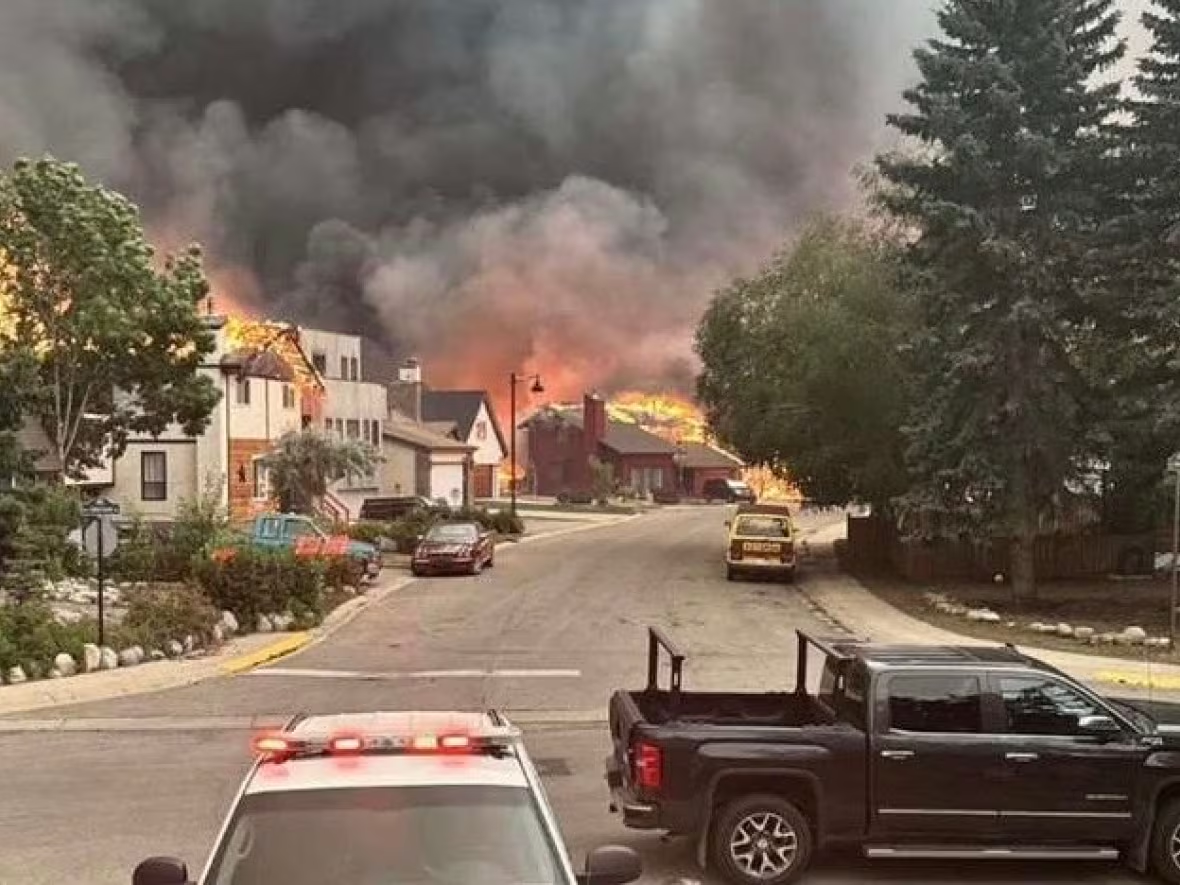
(902, 752)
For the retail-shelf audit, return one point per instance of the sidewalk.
(846, 601)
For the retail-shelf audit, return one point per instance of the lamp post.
(1174, 469)
(514, 379)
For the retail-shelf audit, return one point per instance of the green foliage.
(307, 461)
(402, 534)
(368, 531)
(800, 364)
(602, 479)
(159, 614)
(255, 582)
(1006, 202)
(110, 335)
(35, 523)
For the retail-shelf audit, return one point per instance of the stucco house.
(422, 461)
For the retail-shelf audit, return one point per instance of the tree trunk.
(1024, 539)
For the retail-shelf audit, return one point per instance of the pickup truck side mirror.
(1099, 726)
(160, 871)
(610, 865)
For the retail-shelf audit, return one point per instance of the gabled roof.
(422, 437)
(621, 437)
(702, 456)
(460, 407)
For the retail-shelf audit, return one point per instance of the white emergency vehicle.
(395, 798)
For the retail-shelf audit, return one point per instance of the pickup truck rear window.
(936, 704)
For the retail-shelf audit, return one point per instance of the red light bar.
(288, 745)
(346, 744)
(271, 744)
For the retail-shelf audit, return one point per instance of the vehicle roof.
(880, 657)
(390, 770)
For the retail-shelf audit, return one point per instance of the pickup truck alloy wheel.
(761, 839)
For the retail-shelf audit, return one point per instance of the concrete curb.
(288, 645)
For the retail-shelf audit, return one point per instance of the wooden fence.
(873, 545)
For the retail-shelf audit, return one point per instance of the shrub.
(342, 572)
(507, 523)
(255, 582)
(369, 531)
(158, 614)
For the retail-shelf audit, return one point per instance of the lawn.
(1108, 606)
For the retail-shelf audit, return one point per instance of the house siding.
(181, 478)
(488, 451)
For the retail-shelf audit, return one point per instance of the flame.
(243, 333)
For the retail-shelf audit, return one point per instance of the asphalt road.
(558, 624)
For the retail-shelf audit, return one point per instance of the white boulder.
(174, 649)
(108, 660)
(16, 675)
(229, 623)
(265, 625)
(91, 657)
(1135, 635)
(1064, 630)
(65, 664)
(129, 657)
(1083, 633)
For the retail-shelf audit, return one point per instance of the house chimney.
(406, 392)
(593, 421)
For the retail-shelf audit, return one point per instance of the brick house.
(700, 462)
(561, 442)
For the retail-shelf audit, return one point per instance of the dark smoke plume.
(491, 184)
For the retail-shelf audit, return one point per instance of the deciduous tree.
(116, 341)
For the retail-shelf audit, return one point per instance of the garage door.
(483, 480)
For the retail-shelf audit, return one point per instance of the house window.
(261, 480)
(328, 425)
(153, 476)
(242, 391)
(354, 428)
(320, 362)
(340, 427)
(354, 368)
(481, 430)
(344, 368)
(288, 396)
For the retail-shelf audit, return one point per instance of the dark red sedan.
(454, 548)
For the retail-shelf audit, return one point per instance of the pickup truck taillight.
(647, 762)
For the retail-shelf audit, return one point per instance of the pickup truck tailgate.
(624, 716)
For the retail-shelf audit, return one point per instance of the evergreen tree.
(1007, 199)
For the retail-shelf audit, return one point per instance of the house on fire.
(561, 442)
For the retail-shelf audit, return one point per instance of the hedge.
(256, 582)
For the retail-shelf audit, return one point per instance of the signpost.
(100, 539)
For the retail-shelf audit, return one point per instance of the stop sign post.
(100, 539)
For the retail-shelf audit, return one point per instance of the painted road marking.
(415, 674)
(535, 719)
(1139, 679)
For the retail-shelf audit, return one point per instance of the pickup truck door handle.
(897, 754)
(1021, 757)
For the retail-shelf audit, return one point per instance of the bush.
(254, 582)
(369, 531)
(342, 572)
(507, 523)
(158, 614)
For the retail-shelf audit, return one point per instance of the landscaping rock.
(1036, 626)
(1011, 625)
(1084, 633)
(16, 675)
(265, 625)
(1064, 630)
(958, 609)
(229, 623)
(65, 665)
(91, 657)
(218, 634)
(1105, 639)
(129, 657)
(1046, 629)
(189, 644)
(946, 608)
(174, 649)
(983, 615)
(282, 622)
(1157, 642)
(108, 660)
(55, 673)
(156, 655)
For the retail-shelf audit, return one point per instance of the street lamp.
(1174, 469)
(514, 379)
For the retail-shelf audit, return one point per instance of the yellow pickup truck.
(761, 541)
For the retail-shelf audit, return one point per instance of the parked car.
(390, 509)
(426, 797)
(298, 533)
(730, 491)
(454, 547)
(761, 542)
(904, 752)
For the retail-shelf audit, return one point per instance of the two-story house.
(469, 416)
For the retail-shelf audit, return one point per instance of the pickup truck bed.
(779, 709)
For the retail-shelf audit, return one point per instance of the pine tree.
(1007, 200)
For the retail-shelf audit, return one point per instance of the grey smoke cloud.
(489, 183)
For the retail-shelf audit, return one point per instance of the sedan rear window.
(412, 835)
(463, 532)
